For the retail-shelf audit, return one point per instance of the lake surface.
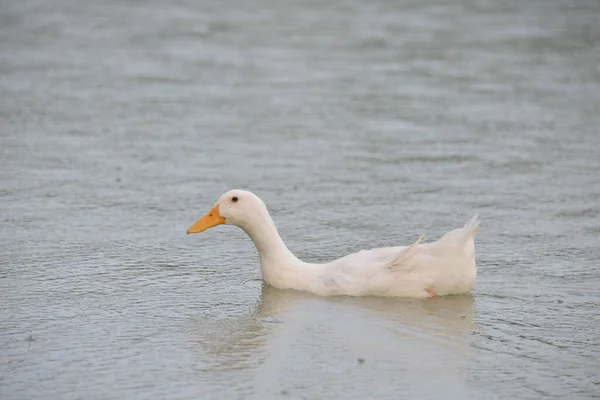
(361, 124)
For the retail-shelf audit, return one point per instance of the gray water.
(361, 124)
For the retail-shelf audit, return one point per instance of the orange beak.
(211, 219)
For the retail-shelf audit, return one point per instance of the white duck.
(421, 270)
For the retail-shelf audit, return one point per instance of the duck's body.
(446, 266)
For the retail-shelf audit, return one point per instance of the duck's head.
(236, 207)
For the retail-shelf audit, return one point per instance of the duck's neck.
(277, 262)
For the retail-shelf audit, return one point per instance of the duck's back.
(387, 271)
(446, 266)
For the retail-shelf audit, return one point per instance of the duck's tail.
(462, 237)
(471, 227)
(468, 233)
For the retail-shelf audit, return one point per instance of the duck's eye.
(234, 199)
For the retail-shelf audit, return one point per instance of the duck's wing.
(367, 270)
(406, 259)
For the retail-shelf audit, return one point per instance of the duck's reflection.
(286, 323)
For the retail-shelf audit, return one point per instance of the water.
(361, 124)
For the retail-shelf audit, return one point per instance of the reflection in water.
(451, 313)
(405, 335)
